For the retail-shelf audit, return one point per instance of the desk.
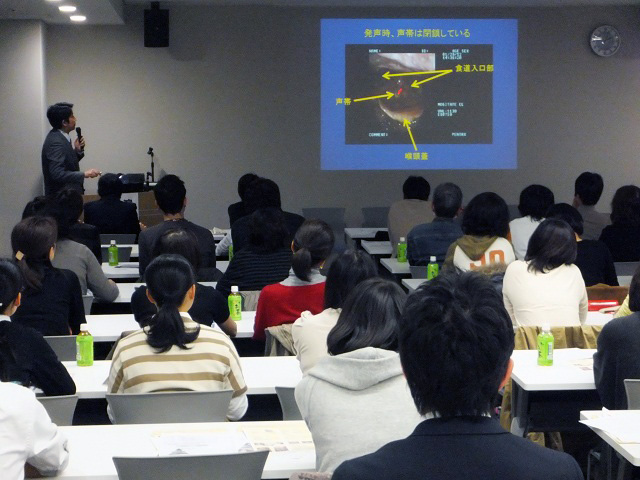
(549, 398)
(362, 233)
(412, 283)
(261, 374)
(124, 270)
(108, 328)
(92, 447)
(135, 251)
(396, 267)
(379, 249)
(127, 289)
(630, 451)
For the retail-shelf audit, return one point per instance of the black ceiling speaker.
(156, 26)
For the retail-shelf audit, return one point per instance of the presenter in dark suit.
(110, 214)
(60, 157)
(455, 341)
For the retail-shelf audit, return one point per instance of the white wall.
(22, 128)
(238, 91)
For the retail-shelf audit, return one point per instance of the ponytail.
(31, 241)
(169, 278)
(312, 245)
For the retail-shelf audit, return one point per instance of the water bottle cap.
(546, 327)
(84, 327)
(113, 242)
(234, 289)
(432, 259)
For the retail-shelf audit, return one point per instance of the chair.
(120, 238)
(335, 218)
(250, 299)
(64, 346)
(418, 271)
(632, 387)
(606, 292)
(232, 466)
(169, 407)
(60, 408)
(278, 341)
(87, 301)
(124, 253)
(290, 410)
(374, 217)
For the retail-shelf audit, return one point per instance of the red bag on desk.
(597, 305)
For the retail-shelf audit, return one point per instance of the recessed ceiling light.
(67, 8)
(78, 18)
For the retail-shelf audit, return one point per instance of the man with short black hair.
(412, 210)
(587, 192)
(61, 158)
(456, 340)
(110, 214)
(171, 198)
(433, 239)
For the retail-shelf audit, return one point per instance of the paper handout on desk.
(622, 428)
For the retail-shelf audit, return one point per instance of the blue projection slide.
(403, 94)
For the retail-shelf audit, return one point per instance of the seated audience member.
(76, 257)
(51, 300)
(267, 257)
(618, 355)
(534, 203)
(304, 288)
(593, 259)
(238, 210)
(455, 343)
(29, 437)
(310, 331)
(357, 400)
(171, 197)
(412, 210)
(546, 288)
(110, 214)
(622, 235)
(261, 193)
(485, 224)
(32, 361)
(157, 357)
(70, 201)
(209, 306)
(433, 239)
(588, 189)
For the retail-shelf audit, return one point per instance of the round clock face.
(605, 40)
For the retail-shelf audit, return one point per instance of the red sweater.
(280, 304)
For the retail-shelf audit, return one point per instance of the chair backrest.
(333, 216)
(373, 217)
(418, 271)
(632, 387)
(169, 407)
(87, 301)
(235, 466)
(120, 238)
(124, 253)
(626, 268)
(287, 398)
(606, 292)
(60, 408)
(64, 346)
(250, 299)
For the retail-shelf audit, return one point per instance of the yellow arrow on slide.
(406, 124)
(416, 83)
(387, 95)
(388, 75)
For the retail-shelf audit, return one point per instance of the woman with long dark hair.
(52, 299)
(303, 289)
(621, 237)
(157, 357)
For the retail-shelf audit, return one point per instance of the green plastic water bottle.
(230, 251)
(84, 347)
(545, 347)
(113, 254)
(433, 269)
(235, 304)
(402, 250)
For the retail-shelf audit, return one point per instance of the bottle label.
(231, 252)
(84, 350)
(113, 255)
(402, 252)
(432, 271)
(235, 307)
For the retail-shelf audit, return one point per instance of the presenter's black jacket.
(33, 362)
(54, 309)
(240, 229)
(60, 164)
(112, 215)
(461, 448)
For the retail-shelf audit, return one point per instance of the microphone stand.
(152, 172)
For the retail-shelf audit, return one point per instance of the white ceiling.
(106, 12)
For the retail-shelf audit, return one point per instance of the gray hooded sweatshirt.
(355, 403)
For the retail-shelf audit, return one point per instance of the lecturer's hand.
(92, 173)
(79, 144)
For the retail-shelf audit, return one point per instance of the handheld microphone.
(150, 151)
(79, 133)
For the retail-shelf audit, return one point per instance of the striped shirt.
(210, 363)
